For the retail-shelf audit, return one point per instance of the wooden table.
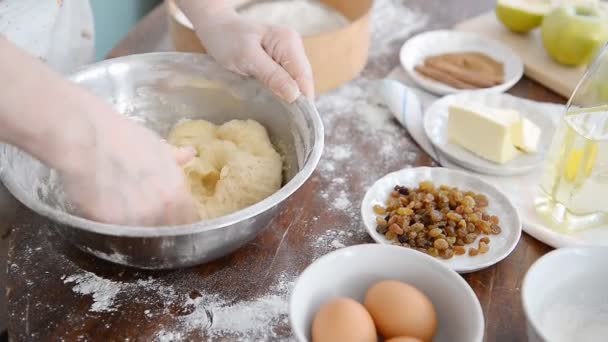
(56, 292)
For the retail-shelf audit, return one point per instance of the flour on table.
(327, 167)
(334, 239)
(216, 317)
(342, 202)
(330, 238)
(103, 291)
(210, 315)
(337, 244)
(339, 152)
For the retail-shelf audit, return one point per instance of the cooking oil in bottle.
(574, 187)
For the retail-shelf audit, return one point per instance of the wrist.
(74, 132)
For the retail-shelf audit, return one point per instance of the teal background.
(114, 19)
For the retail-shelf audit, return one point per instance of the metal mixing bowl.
(158, 90)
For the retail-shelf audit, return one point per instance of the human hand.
(113, 170)
(273, 55)
(130, 177)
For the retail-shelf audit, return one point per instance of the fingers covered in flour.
(261, 66)
(286, 48)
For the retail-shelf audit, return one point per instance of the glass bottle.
(573, 191)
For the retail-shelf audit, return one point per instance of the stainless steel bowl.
(158, 90)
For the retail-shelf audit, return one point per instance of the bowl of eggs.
(383, 293)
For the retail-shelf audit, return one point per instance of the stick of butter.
(526, 136)
(487, 132)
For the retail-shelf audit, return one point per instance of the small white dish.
(432, 43)
(436, 128)
(564, 296)
(501, 245)
(350, 271)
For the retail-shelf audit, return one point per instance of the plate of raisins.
(444, 213)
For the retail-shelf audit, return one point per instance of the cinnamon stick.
(442, 77)
(477, 79)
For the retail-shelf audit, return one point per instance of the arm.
(31, 88)
(113, 169)
(273, 55)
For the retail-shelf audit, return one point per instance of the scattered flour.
(103, 291)
(337, 244)
(216, 317)
(209, 315)
(342, 202)
(329, 238)
(339, 152)
(166, 336)
(327, 166)
(334, 239)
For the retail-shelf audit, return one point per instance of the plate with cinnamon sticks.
(447, 62)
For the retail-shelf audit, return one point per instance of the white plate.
(500, 245)
(436, 128)
(432, 43)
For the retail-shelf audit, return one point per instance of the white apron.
(59, 32)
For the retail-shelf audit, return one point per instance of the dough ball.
(236, 164)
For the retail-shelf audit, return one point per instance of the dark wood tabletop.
(58, 293)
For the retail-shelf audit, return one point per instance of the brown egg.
(399, 309)
(404, 339)
(343, 319)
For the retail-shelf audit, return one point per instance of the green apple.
(573, 34)
(522, 16)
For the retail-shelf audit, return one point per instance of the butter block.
(526, 136)
(487, 132)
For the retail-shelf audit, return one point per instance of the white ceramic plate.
(432, 43)
(436, 128)
(351, 271)
(500, 245)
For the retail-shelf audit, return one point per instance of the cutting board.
(538, 65)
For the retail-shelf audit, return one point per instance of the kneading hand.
(273, 55)
(113, 170)
(131, 176)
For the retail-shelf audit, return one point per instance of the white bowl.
(432, 43)
(541, 114)
(565, 298)
(500, 245)
(349, 272)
